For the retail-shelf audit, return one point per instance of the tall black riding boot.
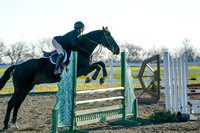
(58, 69)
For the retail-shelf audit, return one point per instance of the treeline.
(20, 51)
(136, 53)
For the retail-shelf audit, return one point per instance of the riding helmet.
(78, 25)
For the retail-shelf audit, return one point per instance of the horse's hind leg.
(21, 98)
(16, 108)
(11, 104)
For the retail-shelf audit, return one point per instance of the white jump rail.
(100, 90)
(99, 100)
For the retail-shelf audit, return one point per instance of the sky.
(145, 23)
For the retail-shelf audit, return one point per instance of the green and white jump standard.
(95, 115)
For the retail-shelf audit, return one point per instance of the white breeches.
(57, 46)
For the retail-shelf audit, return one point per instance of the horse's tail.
(6, 76)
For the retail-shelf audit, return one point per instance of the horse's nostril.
(116, 50)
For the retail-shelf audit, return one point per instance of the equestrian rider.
(67, 42)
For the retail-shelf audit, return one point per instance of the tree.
(177, 52)
(155, 51)
(34, 51)
(17, 52)
(189, 48)
(99, 54)
(2, 49)
(133, 52)
(45, 44)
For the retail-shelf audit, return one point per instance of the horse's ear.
(103, 28)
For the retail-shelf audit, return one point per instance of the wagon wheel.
(156, 78)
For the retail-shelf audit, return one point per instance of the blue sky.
(141, 22)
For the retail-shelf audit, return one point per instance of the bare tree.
(34, 52)
(2, 49)
(100, 54)
(188, 47)
(110, 57)
(154, 51)
(17, 52)
(133, 52)
(45, 44)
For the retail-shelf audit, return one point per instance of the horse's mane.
(92, 32)
(90, 43)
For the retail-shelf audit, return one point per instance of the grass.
(2, 71)
(92, 86)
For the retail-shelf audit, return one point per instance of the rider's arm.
(74, 40)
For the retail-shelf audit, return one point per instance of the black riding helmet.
(78, 25)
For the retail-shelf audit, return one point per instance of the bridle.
(100, 48)
(97, 43)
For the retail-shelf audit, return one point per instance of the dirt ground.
(36, 111)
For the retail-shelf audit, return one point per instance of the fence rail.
(111, 72)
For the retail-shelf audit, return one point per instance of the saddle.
(53, 56)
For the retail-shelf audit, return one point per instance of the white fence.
(111, 80)
(176, 80)
(177, 85)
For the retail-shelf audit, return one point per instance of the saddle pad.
(53, 56)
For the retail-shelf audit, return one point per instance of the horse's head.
(109, 42)
(102, 37)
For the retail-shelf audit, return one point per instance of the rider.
(67, 41)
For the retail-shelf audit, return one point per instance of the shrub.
(163, 116)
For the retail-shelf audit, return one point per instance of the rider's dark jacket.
(69, 40)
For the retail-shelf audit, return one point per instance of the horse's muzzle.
(116, 50)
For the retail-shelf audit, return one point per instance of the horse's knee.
(102, 64)
(98, 67)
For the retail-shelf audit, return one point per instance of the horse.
(37, 71)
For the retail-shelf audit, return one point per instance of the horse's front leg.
(89, 69)
(102, 80)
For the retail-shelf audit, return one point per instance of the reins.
(100, 48)
(98, 51)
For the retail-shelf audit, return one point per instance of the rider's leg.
(60, 57)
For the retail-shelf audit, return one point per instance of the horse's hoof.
(15, 126)
(5, 128)
(88, 80)
(101, 81)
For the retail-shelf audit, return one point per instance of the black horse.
(37, 71)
